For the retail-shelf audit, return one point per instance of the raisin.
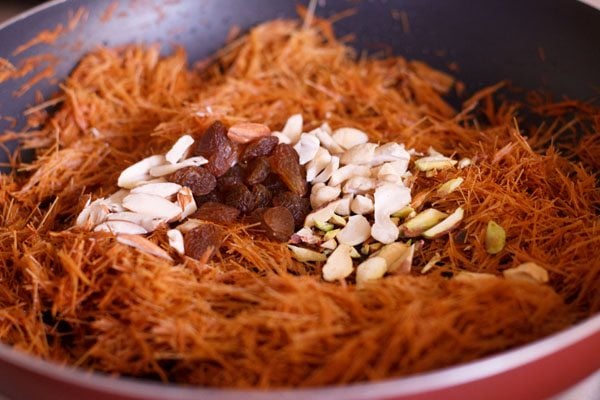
(285, 163)
(257, 171)
(262, 196)
(278, 223)
(232, 177)
(298, 206)
(198, 179)
(217, 212)
(240, 197)
(203, 241)
(274, 184)
(259, 148)
(215, 146)
(213, 196)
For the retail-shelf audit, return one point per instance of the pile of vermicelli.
(252, 316)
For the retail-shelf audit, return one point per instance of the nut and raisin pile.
(338, 199)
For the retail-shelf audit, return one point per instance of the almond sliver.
(179, 149)
(139, 171)
(120, 227)
(167, 169)
(144, 245)
(164, 189)
(155, 206)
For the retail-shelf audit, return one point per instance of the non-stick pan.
(535, 43)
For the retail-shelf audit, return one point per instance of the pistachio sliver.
(421, 222)
(431, 163)
(306, 255)
(324, 226)
(446, 225)
(495, 238)
(449, 187)
(403, 212)
(337, 220)
(330, 234)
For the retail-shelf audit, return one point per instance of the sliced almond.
(321, 215)
(317, 164)
(164, 189)
(371, 269)
(305, 255)
(155, 206)
(434, 163)
(346, 172)
(464, 163)
(389, 198)
(466, 276)
(495, 238)
(175, 238)
(359, 184)
(528, 271)
(139, 171)
(143, 245)
(391, 152)
(149, 223)
(396, 169)
(327, 141)
(245, 132)
(447, 225)
(115, 200)
(349, 137)
(361, 154)
(339, 264)
(120, 227)
(168, 169)
(324, 195)
(307, 147)
(356, 231)
(325, 175)
(361, 205)
(186, 201)
(305, 235)
(179, 149)
(343, 205)
(92, 215)
(421, 222)
(398, 257)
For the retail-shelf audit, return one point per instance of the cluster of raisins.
(261, 181)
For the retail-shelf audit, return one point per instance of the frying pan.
(534, 43)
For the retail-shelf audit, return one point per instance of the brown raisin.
(298, 206)
(262, 196)
(213, 196)
(198, 179)
(232, 177)
(285, 163)
(215, 146)
(278, 223)
(240, 197)
(257, 170)
(217, 212)
(274, 184)
(203, 241)
(259, 148)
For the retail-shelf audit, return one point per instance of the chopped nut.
(305, 235)
(449, 187)
(120, 227)
(359, 184)
(321, 215)
(317, 164)
(139, 172)
(337, 220)
(434, 163)
(341, 175)
(92, 215)
(343, 205)
(307, 147)
(189, 225)
(361, 154)
(339, 264)
(333, 166)
(186, 201)
(164, 189)
(389, 198)
(528, 271)
(176, 240)
(354, 253)
(154, 206)
(370, 270)
(144, 245)
(305, 255)
(167, 169)
(362, 205)
(495, 238)
(466, 276)
(245, 132)
(404, 212)
(327, 141)
(324, 226)
(398, 257)
(431, 263)
(421, 222)
(331, 234)
(323, 195)
(392, 152)
(355, 232)
(464, 163)
(145, 221)
(349, 137)
(448, 224)
(179, 149)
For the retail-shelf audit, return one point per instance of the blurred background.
(9, 8)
